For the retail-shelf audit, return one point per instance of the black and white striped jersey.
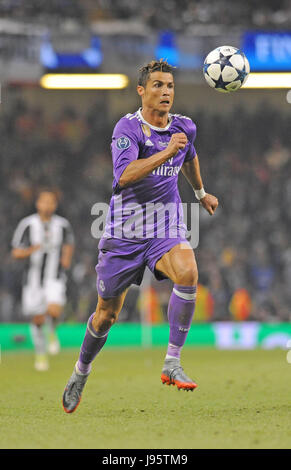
(45, 263)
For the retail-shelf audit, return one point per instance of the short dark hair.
(48, 189)
(153, 66)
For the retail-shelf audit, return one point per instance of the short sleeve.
(124, 147)
(191, 134)
(21, 236)
(68, 234)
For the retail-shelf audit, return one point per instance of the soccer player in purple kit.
(149, 147)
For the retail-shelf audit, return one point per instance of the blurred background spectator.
(177, 15)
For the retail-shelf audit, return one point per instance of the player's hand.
(178, 141)
(33, 248)
(209, 203)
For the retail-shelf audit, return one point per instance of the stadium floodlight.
(83, 81)
(268, 80)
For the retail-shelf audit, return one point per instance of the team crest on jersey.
(146, 130)
(123, 143)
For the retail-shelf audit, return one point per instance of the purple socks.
(180, 313)
(92, 344)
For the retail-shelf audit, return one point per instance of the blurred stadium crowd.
(176, 15)
(244, 254)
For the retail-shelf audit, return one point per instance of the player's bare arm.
(139, 169)
(22, 253)
(191, 171)
(67, 254)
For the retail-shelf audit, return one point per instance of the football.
(226, 69)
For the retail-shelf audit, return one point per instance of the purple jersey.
(150, 207)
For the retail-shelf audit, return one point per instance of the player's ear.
(140, 90)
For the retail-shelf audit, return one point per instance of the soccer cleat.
(41, 363)
(73, 391)
(173, 374)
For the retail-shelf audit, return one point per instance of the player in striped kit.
(149, 148)
(46, 241)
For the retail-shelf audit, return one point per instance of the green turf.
(243, 401)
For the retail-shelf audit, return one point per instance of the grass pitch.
(243, 401)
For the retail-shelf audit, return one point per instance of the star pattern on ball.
(226, 69)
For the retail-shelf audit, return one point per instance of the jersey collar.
(160, 129)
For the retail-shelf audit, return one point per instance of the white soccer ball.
(226, 69)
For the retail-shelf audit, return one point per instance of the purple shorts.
(122, 262)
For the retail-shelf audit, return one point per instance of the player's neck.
(154, 118)
(44, 217)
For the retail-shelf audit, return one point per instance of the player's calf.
(39, 343)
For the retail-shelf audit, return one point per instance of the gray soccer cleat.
(73, 391)
(173, 374)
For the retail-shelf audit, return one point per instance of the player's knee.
(38, 320)
(188, 276)
(104, 319)
(54, 310)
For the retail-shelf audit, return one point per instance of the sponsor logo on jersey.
(163, 144)
(149, 143)
(167, 170)
(123, 143)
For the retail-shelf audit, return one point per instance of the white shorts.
(35, 299)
